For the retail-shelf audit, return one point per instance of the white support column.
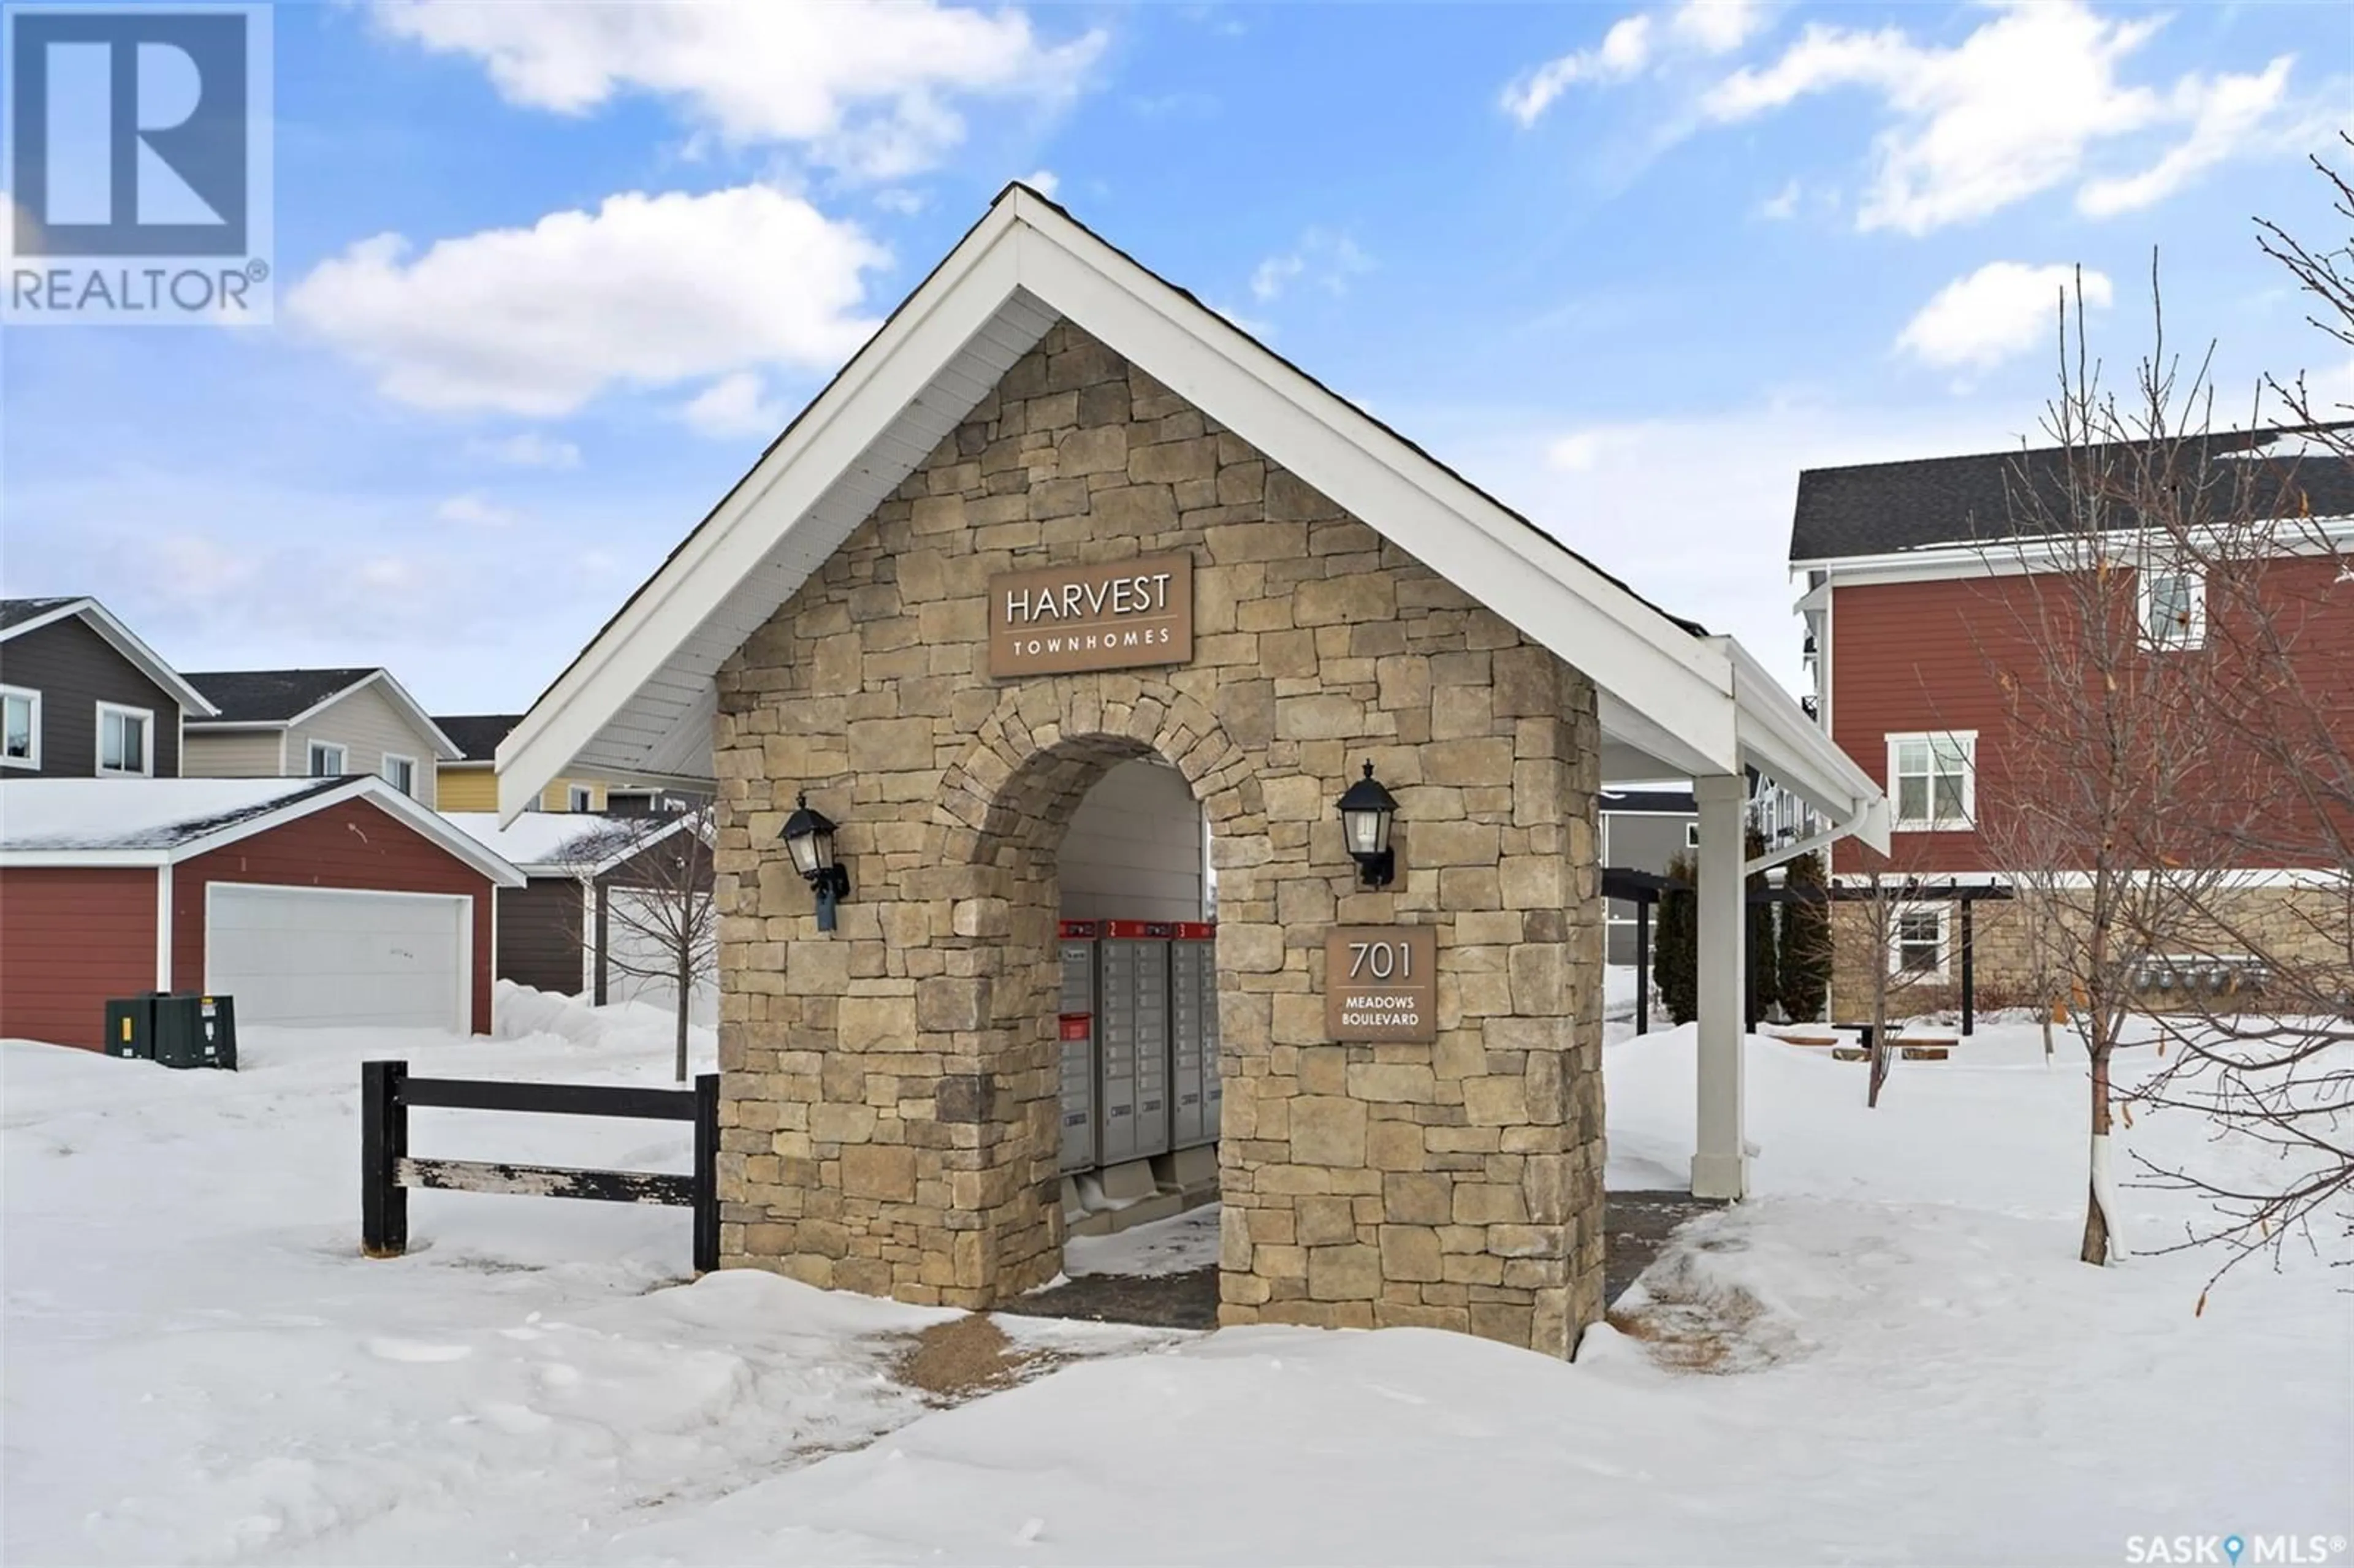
(1720, 1166)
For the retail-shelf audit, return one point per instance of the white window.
(1933, 780)
(1916, 948)
(326, 759)
(20, 728)
(126, 741)
(580, 797)
(1692, 835)
(2173, 606)
(400, 772)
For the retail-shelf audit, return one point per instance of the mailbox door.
(1188, 959)
(1079, 1024)
(1118, 965)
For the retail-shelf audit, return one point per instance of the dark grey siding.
(75, 669)
(540, 936)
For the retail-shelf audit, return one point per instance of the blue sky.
(553, 274)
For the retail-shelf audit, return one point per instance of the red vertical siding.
(70, 937)
(352, 845)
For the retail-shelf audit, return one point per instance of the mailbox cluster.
(1140, 1039)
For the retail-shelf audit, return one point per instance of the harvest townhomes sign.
(1113, 615)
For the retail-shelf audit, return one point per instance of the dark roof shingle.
(269, 696)
(477, 734)
(1882, 508)
(16, 611)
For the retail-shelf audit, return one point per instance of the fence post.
(384, 1141)
(706, 1172)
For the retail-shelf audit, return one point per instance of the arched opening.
(1092, 897)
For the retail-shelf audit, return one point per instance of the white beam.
(1720, 1167)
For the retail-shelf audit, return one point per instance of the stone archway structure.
(889, 1117)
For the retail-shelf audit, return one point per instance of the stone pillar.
(1720, 1166)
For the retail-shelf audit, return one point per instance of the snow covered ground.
(199, 1368)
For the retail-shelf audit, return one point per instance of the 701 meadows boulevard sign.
(1112, 615)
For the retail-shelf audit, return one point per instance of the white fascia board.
(2030, 552)
(885, 376)
(445, 749)
(429, 826)
(1593, 623)
(1783, 743)
(125, 642)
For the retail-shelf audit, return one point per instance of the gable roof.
(279, 699)
(161, 822)
(568, 843)
(1886, 508)
(640, 699)
(19, 616)
(477, 735)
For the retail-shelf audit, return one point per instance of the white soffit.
(641, 698)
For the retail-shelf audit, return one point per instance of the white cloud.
(2019, 107)
(527, 449)
(1633, 45)
(1046, 182)
(1322, 258)
(475, 510)
(1782, 204)
(2002, 310)
(646, 290)
(862, 85)
(736, 404)
(2227, 115)
(1718, 26)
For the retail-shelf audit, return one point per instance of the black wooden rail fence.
(388, 1170)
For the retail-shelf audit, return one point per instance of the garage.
(329, 957)
(315, 903)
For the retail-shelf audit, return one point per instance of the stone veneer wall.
(889, 1113)
(2304, 927)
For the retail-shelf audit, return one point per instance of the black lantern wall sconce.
(1366, 812)
(809, 838)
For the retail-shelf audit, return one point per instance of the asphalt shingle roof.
(477, 734)
(16, 611)
(137, 813)
(1882, 508)
(266, 697)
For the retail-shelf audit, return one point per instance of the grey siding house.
(81, 697)
(319, 724)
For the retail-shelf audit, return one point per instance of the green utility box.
(131, 1026)
(196, 1031)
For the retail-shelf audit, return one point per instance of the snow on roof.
(136, 814)
(559, 840)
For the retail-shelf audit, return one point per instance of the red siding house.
(314, 902)
(1921, 578)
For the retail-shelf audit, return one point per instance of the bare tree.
(2107, 808)
(661, 917)
(1878, 937)
(2263, 1010)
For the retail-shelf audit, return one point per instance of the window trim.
(310, 750)
(32, 761)
(1968, 741)
(579, 798)
(146, 717)
(1692, 835)
(1943, 915)
(384, 771)
(2193, 635)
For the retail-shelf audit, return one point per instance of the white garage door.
(321, 955)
